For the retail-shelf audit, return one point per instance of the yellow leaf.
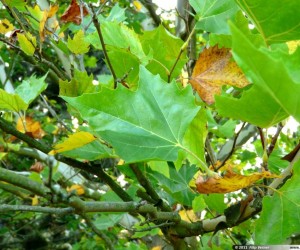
(137, 5)
(213, 69)
(27, 43)
(35, 200)
(230, 182)
(46, 15)
(5, 26)
(76, 140)
(79, 189)
(293, 45)
(32, 128)
(188, 215)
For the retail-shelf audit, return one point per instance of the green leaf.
(280, 216)
(19, 4)
(27, 43)
(277, 21)
(213, 15)
(91, 151)
(125, 64)
(11, 102)
(178, 183)
(164, 49)
(81, 83)
(31, 88)
(225, 40)
(116, 14)
(199, 204)
(148, 124)
(266, 102)
(194, 138)
(215, 202)
(78, 45)
(104, 221)
(118, 35)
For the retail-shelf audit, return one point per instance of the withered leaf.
(72, 14)
(37, 167)
(215, 68)
(230, 182)
(32, 128)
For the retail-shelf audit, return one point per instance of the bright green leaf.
(199, 204)
(280, 217)
(164, 48)
(194, 138)
(213, 15)
(268, 101)
(119, 36)
(31, 88)
(27, 43)
(11, 102)
(78, 45)
(148, 124)
(215, 202)
(277, 21)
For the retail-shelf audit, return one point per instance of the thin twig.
(233, 146)
(148, 187)
(102, 235)
(98, 28)
(182, 49)
(262, 137)
(210, 152)
(53, 113)
(274, 139)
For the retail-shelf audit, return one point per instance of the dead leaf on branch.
(72, 14)
(215, 68)
(30, 127)
(229, 182)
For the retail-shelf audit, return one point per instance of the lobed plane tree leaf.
(141, 125)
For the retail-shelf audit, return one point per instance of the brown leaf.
(72, 14)
(215, 68)
(37, 167)
(32, 128)
(229, 182)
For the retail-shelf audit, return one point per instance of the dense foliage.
(123, 129)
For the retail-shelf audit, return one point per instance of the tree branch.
(23, 182)
(37, 209)
(150, 7)
(89, 167)
(148, 187)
